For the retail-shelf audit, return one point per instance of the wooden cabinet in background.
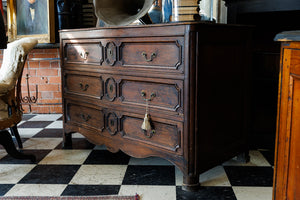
(287, 161)
(196, 76)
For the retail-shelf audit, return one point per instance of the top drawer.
(160, 53)
(83, 52)
(134, 54)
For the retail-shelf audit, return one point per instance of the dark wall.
(269, 17)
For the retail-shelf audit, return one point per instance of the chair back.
(14, 58)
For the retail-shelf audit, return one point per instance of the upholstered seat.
(14, 58)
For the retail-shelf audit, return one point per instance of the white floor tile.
(28, 132)
(2, 153)
(178, 176)
(45, 117)
(12, 174)
(56, 124)
(42, 143)
(66, 157)
(100, 174)
(213, 177)
(256, 159)
(253, 193)
(77, 135)
(150, 192)
(36, 190)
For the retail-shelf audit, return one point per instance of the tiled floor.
(91, 170)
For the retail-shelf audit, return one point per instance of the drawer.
(162, 93)
(83, 85)
(83, 115)
(165, 134)
(83, 53)
(163, 53)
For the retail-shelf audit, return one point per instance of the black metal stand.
(15, 132)
(7, 142)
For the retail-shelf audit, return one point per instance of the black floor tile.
(27, 117)
(50, 174)
(249, 176)
(269, 155)
(39, 155)
(106, 157)
(4, 188)
(35, 124)
(206, 193)
(53, 132)
(61, 118)
(89, 190)
(78, 143)
(149, 175)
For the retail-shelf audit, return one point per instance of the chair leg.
(15, 132)
(7, 142)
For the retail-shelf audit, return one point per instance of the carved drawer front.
(166, 135)
(84, 85)
(163, 95)
(83, 53)
(166, 54)
(83, 115)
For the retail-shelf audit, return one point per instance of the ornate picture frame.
(31, 18)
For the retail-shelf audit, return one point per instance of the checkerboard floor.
(92, 170)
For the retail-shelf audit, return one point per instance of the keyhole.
(110, 52)
(112, 123)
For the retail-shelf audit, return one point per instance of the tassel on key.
(146, 126)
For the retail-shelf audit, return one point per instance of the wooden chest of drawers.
(194, 77)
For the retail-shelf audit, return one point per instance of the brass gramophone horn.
(121, 12)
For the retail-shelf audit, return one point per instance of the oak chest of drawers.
(193, 76)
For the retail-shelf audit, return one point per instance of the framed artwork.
(31, 18)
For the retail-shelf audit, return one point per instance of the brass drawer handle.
(83, 88)
(143, 94)
(84, 54)
(85, 117)
(153, 55)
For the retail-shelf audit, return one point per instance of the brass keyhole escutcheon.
(112, 122)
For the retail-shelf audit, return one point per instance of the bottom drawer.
(164, 134)
(84, 115)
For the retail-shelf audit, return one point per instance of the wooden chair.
(10, 93)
